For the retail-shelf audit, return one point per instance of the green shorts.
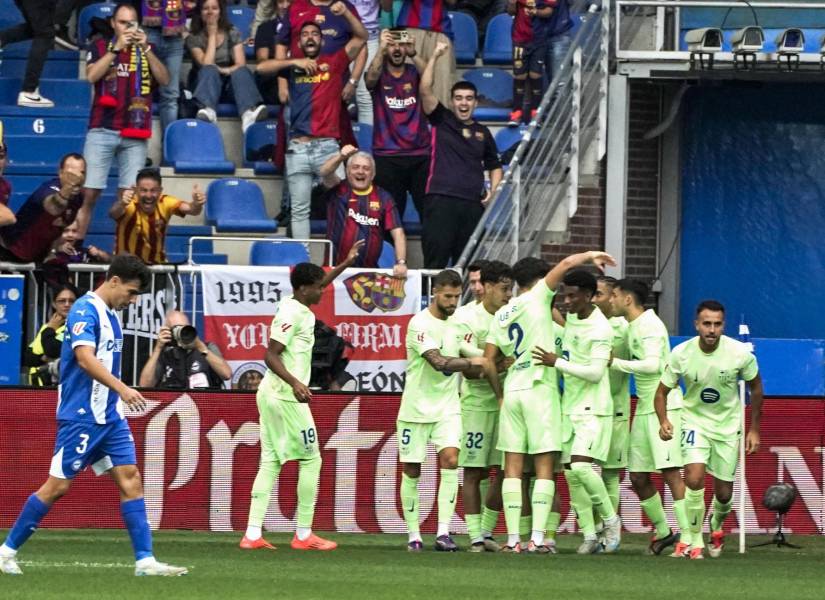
(413, 437)
(530, 421)
(478, 440)
(720, 456)
(619, 444)
(586, 435)
(287, 430)
(648, 452)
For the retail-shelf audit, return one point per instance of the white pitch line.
(69, 565)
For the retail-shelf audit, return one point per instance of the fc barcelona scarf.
(169, 15)
(138, 93)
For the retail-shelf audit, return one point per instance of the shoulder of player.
(733, 346)
(685, 347)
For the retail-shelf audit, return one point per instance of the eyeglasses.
(64, 300)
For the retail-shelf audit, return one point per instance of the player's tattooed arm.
(446, 364)
(752, 439)
(660, 406)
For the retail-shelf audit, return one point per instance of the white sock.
(513, 539)
(590, 538)
(303, 533)
(6, 551)
(486, 534)
(612, 521)
(443, 529)
(145, 562)
(253, 532)
(537, 537)
(477, 540)
(414, 536)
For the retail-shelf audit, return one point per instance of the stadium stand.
(101, 10)
(259, 147)
(387, 258)
(193, 146)
(363, 135)
(277, 254)
(237, 205)
(241, 17)
(495, 93)
(498, 42)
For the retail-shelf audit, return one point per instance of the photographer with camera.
(181, 360)
(42, 356)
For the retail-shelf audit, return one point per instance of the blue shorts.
(102, 147)
(79, 445)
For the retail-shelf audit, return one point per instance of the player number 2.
(405, 437)
(84, 442)
(309, 435)
(474, 440)
(515, 332)
(688, 437)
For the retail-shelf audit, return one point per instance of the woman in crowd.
(217, 49)
(43, 354)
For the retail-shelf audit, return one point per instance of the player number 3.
(84, 442)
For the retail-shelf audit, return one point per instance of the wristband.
(353, 81)
(401, 261)
(111, 48)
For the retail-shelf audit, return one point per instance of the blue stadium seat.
(104, 241)
(363, 135)
(498, 42)
(277, 253)
(193, 146)
(241, 17)
(387, 258)
(465, 41)
(260, 140)
(9, 14)
(495, 93)
(44, 125)
(102, 10)
(237, 205)
(207, 258)
(411, 218)
(506, 137)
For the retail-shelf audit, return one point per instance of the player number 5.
(405, 437)
(84, 442)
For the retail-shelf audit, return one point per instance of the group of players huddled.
(547, 387)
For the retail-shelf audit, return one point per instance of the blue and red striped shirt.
(31, 237)
(315, 100)
(353, 216)
(431, 15)
(335, 29)
(400, 127)
(528, 30)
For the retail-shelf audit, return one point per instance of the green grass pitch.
(64, 564)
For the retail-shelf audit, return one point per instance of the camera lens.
(184, 335)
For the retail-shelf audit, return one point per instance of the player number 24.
(688, 437)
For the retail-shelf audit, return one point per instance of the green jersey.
(429, 395)
(711, 401)
(294, 327)
(649, 339)
(471, 324)
(586, 340)
(520, 326)
(619, 382)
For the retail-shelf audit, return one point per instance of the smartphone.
(401, 36)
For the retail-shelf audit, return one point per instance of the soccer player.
(619, 391)
(430, 409)
(530, 419)
(710, 366)
(479, 408)
(650, 350)
(91, 427)
(288, 430)
(587, 409)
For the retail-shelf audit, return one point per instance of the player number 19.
(308, 435)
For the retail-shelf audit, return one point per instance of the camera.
(184, 336)
(400, 36)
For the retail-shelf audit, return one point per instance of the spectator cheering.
(123, 71)
(181, 360)
(358, 210)
(217, 50)
(400, 135)
(463, 150)
(6, 215)
(529, 51)
(41, 219)
(143, 213)
(315, 87)
(428, 23)
(43, 354)
(265, 40)
(37, 26)
(165, 23)
(65, 251)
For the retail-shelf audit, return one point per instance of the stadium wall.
(198, 453)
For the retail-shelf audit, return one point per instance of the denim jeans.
(241, 83)
(169, 49)
(557, 48)
(104, 146)
(303, 161)
(362, 95)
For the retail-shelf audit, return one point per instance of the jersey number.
(308, 435)
(405, 437)
(515, 332)
(84, 442)
(474, 440)
(688, 437)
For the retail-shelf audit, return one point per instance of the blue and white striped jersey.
(79, 397)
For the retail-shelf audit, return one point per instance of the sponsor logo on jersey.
(362, 219)
(710, 396)
(285, 327)
(400, 103)
(76, 465)
(320, 77)
(78, 327)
